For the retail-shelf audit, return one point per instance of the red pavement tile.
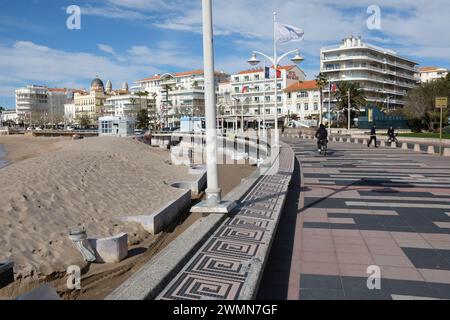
(349, 240)
(380, 241)
(436, 276)
(313, 256)
(318, 247)
(440, 245)
(352, 248)
(355, 258)
(341, 220)
(406, 236)
(436, 237)
(392, 261)
(386, 250)
(319, 268)
(399, 273)
(375, 234)
(315, 232)
(353, 270)
(345, 233)
(409, 243)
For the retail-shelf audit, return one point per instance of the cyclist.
(321, 135)
(391, 134)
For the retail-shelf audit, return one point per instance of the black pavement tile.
(368, 295)
(314, 294)
(308, 281)
(426, 259)
(417, 288)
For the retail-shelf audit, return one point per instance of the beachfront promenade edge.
(250, 228)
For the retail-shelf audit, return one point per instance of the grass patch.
(425, 135)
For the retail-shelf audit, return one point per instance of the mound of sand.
(77, 183)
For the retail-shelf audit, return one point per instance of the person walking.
(322, 136)
(373, 136)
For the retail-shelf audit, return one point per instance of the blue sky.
(126, 40)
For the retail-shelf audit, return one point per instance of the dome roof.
(97, 84)
(125, 86)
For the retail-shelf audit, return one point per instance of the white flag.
(286, 33)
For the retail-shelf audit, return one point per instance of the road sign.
(441, 102)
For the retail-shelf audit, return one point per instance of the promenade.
(361, 207)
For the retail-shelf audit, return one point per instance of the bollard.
(365, 142)
(404, 146)
(356, 141)
(417, 148)
(383, 143)
(341, 139)
(393, 145)
(447, 152)
(430, 149)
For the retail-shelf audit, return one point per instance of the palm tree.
(322, 82)
(357, 98)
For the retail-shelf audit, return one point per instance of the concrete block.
(404, 146)
(383, 143)
(393, 145)
(155, 222)
(110, 250)
(365, 141)
(341, 139)
(447, 152)
(417, 148)
(6, 273)
(431, 150)
(44, 292)
(356, 141)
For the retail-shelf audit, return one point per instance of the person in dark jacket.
(321, 135)
(373, 136)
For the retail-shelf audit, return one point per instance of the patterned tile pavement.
(356, 208)
(221, 268)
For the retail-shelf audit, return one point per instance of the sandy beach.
(53, 184)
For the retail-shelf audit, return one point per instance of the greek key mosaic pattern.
(220, 268)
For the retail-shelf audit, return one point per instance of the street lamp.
(213, 202)
(275, 60)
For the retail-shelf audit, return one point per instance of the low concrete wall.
(111, 249)
(6, 273)
(156, 222)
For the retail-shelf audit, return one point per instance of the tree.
(322, 82)
(142, 119)
(420, 108)
(85, 121)
(357, 98)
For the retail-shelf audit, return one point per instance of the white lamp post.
(213, 203)
(275, 60)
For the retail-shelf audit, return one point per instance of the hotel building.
(178, 94)
(427, 74)
(253, 91)
(39, 102)
(385, 76)
(303, 100)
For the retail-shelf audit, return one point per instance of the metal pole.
(264, 102)
(440, 138)
(349, 113)
(213, 192)
(275, 60)
(329, 110)
(242, 115)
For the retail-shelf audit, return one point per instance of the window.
(236, 89)
(106, 127)
(246, 78)
(299, 107)
(279, 110)
(279, 86)
(289, 95)
(256, 99)
(236, 79)
(316, 106)
(267, 111)
(306, 107)
(279, 98)
(267, 98)
(302, 94)
(256, 111)
(256, 76)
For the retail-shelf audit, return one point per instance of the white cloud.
(106, 48)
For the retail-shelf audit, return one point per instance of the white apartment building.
(303, 100)
(385, 76)
(8, 115)
(41, 101)
(127, 105)
(427, 74)
(69, 112)
(180, 93)
(253, 92)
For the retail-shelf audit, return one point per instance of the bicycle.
(323, 147)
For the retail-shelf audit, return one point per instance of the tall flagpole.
(329, 110)
(275, 60)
